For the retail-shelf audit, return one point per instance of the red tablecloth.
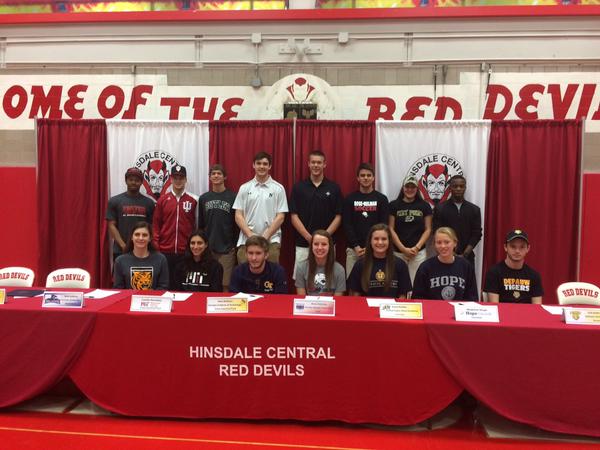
(532, 368)
(39, 345)
(376, 370)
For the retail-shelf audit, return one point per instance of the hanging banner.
(520, 96)
(154, 148)
(433, 152)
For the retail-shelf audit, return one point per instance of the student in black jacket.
(462, 216)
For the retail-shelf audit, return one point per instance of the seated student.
(199, 270)
(445, 276)
(379, 273)
(258, 276)
(320, 274)
(141, 267)
(511, 280)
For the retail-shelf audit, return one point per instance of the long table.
(354, 367)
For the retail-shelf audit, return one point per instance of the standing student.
(175, 218)
(141, 267)
(315, 204)
(446, 276)
(362, 209)
(379, 273)
(260, 208)
(126, 209)
(217, 218)
(462, 216)
(511, 280)
(410, 224)
(320, 274)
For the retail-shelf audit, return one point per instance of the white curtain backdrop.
(154, 147)
(433, 151)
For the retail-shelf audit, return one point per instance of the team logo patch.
(380, 275)
(320, 281)
(433, 172)
(448, 293)
(141, 278)
(156, 167)
(268, 286)
(187, 206)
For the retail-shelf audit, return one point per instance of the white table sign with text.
(473, 312)
(401, 310)
(151, 303)
(304, 307)
(226, 305)
(62, 300)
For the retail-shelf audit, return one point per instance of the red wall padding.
(18, 216)
(589, 269)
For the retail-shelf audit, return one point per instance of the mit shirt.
(199, 276)
(513, 285)
(400, 283)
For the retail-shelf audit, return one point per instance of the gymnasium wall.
(18, 215)
(423, 56)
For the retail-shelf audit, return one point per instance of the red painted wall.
(18, 218)
(589, 269)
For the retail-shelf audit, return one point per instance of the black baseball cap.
(516, 234)
(178, 170)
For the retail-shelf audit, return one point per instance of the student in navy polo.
(258, 275)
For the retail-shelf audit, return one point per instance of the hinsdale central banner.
(433, 152)
(155, 147)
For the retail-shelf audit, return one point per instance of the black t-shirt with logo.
(513, 285)
(410, 219)
(400, 284)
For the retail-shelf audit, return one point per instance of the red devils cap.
(134, 172)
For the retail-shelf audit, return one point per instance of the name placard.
(401, 310)
(2, 296)
(62, 300)
(472, 312)
(582, 316)
(304, 307)
(150, 303)
(226, 305)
